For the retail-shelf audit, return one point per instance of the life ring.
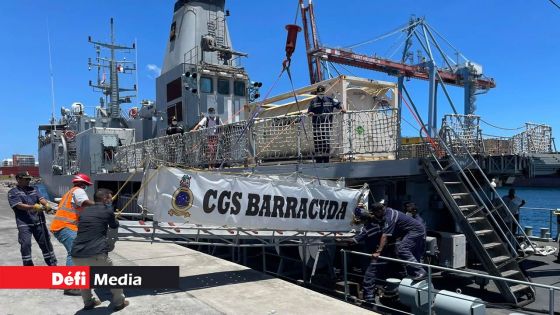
(70, 135)
(133, 112)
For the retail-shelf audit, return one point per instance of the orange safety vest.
(66, 215)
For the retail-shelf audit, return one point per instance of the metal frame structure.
(536, 138)
(367, 131)
(465, 132)
(115, 66)
(430, 268)
(311, 245)
(467, 75)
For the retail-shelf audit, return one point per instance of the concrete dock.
(208, 285)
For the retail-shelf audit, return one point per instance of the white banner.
(272, 203)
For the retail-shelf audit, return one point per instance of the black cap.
(211, 110)
(24, 175)
(377, 206)
(320, 88)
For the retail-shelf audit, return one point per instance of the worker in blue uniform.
(412, 233)
(369, 235)
(322, 108)
(28, 206)
(412, 211)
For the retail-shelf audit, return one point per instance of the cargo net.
(535, 139)
(354, 135)
(462, 133)
(204, 148)
(415, 150)
(498, 145)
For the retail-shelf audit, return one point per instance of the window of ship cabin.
(206, 85)
(172, 31)
(175, 110)
(223, 86)
(174, 89)
(239, 88)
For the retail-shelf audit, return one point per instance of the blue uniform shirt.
(398, 224)
(369, 236)
(24, 195)
(369, 231)
(323, 105)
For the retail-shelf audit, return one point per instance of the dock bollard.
(545, 232)
(529, 231)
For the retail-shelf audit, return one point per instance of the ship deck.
(540, 269)
(208, 285)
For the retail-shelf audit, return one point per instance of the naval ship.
(440, 171)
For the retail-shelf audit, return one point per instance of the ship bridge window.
(206, 85)
(223, 86)
(175, 110)
(172, 31)
(239, 88)
(174, 90)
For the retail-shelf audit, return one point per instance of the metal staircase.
(467, 193)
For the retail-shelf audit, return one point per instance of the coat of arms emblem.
(182, 199)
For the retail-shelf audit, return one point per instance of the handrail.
(545, 286)
(474, 190)
(534, 208)
(550, 288)
(449, 151)
(272, 138)
(494, 191)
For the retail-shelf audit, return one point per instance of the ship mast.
(112, 89)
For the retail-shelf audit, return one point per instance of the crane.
(467, 75)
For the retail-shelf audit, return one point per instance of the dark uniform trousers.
(376, 266)
(322, 109)
(411, 248)
(40, 233)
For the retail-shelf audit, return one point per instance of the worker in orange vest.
(65, 224)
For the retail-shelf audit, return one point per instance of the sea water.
(548, 198)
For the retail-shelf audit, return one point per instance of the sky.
(515, 41)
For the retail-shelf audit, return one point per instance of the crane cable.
(434, 144)
(554, 3)
(503, 128)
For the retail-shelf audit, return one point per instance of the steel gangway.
(484, 218)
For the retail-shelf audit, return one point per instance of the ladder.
(467, 193)
(216, 27)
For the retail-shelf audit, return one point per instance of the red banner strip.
(44, 277)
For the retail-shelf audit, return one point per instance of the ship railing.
(497, 145)
(536, 138)
(415, 150)
(191, 56)
(356, 135)
(431, 292)
(465, 133)
(127, 206)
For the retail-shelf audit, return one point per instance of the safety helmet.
(82, 178)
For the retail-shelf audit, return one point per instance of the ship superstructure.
(439, 171)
